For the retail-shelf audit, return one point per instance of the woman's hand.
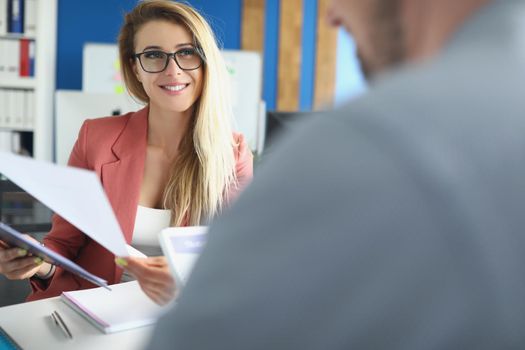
(153, 276)
(15, 264)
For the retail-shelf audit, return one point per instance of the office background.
(98, 21)
(80, 22)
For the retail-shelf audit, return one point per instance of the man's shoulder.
(466, 84)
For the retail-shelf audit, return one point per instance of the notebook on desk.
(125, 307)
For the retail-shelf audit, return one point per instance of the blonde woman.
(174, 163)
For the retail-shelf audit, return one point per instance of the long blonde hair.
(204, 171)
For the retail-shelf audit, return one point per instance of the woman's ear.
(135, 69)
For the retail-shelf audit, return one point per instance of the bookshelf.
(36, 129)
(20, 83)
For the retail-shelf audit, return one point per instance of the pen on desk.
(61, 324)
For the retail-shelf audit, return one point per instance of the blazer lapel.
(123, 177)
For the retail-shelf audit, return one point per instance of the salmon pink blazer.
(115, 148)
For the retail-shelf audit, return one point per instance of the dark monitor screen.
(279, 123)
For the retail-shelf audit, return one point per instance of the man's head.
(390, 32)
(376, 28)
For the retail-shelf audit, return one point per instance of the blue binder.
(6, 342)
(15, 16)
(13, 238)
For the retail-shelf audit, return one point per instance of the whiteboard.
(245, 70)
(101, 69)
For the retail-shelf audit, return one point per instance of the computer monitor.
(73, 107)
(279, 124)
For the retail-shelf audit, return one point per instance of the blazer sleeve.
(243, 167)
(64, 238)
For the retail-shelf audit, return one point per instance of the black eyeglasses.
(155, 61)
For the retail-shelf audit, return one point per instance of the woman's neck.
(166, 129)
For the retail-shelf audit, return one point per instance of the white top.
(148, 223)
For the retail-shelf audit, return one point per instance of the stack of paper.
(124, 307)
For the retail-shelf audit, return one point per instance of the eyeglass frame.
(172, 55)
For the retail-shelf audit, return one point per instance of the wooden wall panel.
(325, 60)
(252, 36)
(289, 69)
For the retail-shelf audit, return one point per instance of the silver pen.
(61, 324)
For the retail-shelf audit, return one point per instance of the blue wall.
(99, 21)
(308, 55)
(80, 22)
(271, 49)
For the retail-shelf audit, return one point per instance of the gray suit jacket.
(396, 222)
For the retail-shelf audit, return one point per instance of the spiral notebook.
(124, 307)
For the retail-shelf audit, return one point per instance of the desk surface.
(31, 326)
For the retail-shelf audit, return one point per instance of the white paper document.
(75, 194)
(135, 253)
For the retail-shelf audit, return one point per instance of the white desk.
(31, 326)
